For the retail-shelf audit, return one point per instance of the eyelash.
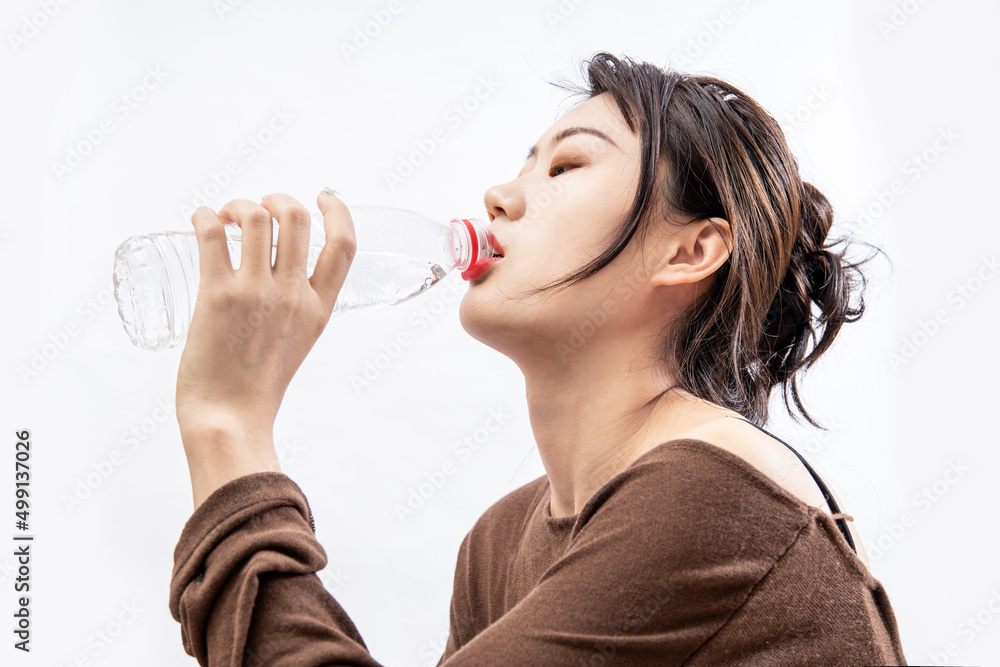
(562, 166)
(564, 162)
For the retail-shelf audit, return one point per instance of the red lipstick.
(479, 268)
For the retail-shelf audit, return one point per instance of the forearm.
(244, 586)
(220, 449)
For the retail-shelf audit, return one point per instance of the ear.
(695, 252)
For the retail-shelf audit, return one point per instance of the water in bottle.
(400, 254)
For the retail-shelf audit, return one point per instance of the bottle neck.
(472, 242)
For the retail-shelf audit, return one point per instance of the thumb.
(338, 250)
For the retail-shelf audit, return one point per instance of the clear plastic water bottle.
(400, 254)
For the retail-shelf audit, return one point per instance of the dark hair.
(727, 158)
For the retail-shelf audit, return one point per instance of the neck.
(596, 412)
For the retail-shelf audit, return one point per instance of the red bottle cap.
(483, 243)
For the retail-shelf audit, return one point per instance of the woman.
(670, 528)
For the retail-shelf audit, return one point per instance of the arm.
(251, 330)
(219, 450)
(244, 587)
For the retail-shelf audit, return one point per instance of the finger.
(294, 223)
(338, 251)
(214, 261)
(255, 224)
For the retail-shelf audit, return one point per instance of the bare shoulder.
(773, 459)
(763, 452)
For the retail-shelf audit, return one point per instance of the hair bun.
(810, 266)
(816, 275)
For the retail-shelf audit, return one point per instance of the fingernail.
(329, 191)
(264, 197)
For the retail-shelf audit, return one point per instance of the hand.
(252, 327)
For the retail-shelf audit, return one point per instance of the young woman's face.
(564, 208)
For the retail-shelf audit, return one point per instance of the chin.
(480, 313)
(516, 330)
(492, 318)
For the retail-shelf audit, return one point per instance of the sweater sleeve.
(244, 587)
(659, 561)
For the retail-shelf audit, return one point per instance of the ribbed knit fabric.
(690, 556)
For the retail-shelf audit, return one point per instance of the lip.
(474, 272)
(496, 243)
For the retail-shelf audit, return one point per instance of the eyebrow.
(568, 132)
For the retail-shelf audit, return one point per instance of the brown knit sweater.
(691, 556)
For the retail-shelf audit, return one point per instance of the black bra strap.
(841, 522)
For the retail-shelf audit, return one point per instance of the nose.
(505, 199)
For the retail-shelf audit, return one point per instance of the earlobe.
(694, 253)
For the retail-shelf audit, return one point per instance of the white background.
(858, 102)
